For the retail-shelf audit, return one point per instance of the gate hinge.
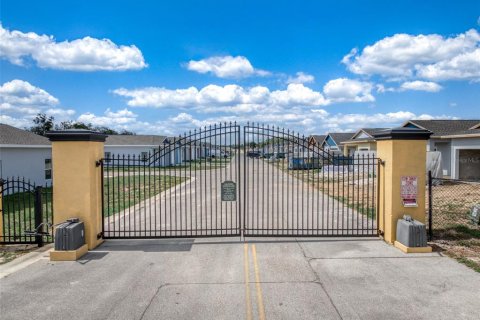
(100, 236)
(98, 163)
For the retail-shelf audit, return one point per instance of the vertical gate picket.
(38, 211)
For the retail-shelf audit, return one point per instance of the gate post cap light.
(76, 135)
(403, 133)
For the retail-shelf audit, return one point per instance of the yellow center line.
(261, 308)
(247, 283)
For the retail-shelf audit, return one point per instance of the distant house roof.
(134, 140)
(445, 128)
(318, 139)
(13, 136)
(369, 132)
(339, 137)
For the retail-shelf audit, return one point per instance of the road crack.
(317, 278)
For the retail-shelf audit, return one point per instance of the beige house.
(362, 140)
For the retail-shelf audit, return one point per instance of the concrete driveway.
(230, 279)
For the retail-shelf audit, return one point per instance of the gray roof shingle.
(447, 127)
(339, 137)
(13, 136)
(369, 131)
(319, 138)
(372, 131)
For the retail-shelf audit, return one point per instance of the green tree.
(42, 124)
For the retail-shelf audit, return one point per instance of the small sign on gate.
(409, 191)
(229, 191)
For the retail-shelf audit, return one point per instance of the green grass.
(462, 240)
(469, 263)
(200, 164)
(457, 231)
(19, 213)
(7, 256)
(126, 191)
(369, 212)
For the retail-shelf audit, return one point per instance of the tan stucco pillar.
(403, 154)
(1, 210)
(77, 179)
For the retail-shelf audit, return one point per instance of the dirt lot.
(453, 232)
(357, 189)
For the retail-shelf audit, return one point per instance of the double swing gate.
(227, 180)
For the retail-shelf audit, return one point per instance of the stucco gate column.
(403, 152)
(77, 179)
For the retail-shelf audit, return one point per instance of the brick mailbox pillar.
(77, 179)
(402, 177)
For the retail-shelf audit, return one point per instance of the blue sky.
(312, 66)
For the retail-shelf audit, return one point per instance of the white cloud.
(16, 122)
(348, 90)
(461, 67)
(121, 118)
(231, 98)
(298, 95)
(418, 85)
(18, 93)
(316, 121)
(301, 77)
(86, 54)
(226, 67)
(432, 57)
(382, 89)
(60, 114)
(21, 101)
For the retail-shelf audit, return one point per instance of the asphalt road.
(230, 279)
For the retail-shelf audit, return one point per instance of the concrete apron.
(257, 279)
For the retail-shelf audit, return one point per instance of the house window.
(144, 156)
(48, 169)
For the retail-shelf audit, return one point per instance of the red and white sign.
(409, 190)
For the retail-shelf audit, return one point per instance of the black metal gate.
(217, 182)
(26, 212)
(296, 188)
(175, 191)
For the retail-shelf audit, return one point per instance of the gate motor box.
(411, 233)
(69, 235)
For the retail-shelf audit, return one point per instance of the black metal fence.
(450, 203)
(27, 212)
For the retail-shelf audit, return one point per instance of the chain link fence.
(450, 206)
